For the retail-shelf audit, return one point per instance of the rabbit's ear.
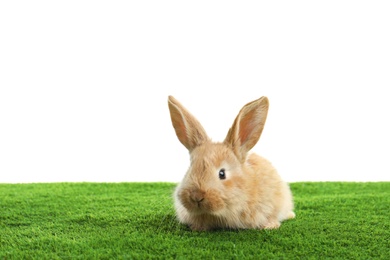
(189, 131)
(247, 127)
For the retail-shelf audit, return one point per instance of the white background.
(84, 86)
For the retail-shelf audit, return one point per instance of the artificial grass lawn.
(136, 221)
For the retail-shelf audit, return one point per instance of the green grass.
(136, 221)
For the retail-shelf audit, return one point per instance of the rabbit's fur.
(248, 194)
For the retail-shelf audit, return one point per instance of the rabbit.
(225, 187)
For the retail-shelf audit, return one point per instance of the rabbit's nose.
(197, 196)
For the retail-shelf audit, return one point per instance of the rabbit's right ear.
(189, 131)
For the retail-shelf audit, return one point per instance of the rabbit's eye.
(222, 174)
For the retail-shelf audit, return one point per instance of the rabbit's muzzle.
(201, 201)
(197, 196)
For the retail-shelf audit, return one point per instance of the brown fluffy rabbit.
(225, 187)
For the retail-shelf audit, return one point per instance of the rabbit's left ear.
(247, 127)
(188, 129)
